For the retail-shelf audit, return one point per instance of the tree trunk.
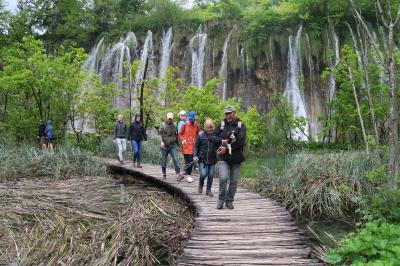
(358, 110)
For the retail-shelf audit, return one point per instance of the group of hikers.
(46, 135)
(222, 143)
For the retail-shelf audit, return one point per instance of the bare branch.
(359, 18)
(389, 10)
(380, 11)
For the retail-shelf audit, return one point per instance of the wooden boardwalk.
(257, 232)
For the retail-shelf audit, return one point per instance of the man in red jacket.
(188, 134)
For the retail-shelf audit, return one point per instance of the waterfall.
(166, 41)
(242, 66)
(331, 78)
(223, 71)
(197, 47)
(92, 63)
(146, 55)
(292, 88)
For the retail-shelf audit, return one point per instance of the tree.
(388, 17)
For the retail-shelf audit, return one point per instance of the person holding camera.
(231, 135)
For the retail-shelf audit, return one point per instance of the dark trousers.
(188, 163)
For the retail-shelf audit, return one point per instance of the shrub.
(376, 244)
(317, 186)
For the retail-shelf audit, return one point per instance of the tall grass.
(320, 186)
(151, 153)
(18, 162)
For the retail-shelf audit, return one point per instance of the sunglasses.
(228, 113)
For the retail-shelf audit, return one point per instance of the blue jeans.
(206, 170)
(164, 156)
(136, 150)
(228, 172)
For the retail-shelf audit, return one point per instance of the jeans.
(188, 163)
(136, 150)
(164, 156)
(121, 148)
(228, 172)
(206, 170)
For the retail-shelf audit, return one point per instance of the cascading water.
(242, 66)
(197, 47)
(92, 63)
(331, 78)
(223, 71)
(166, 42)
(147, 54)
(292, 88)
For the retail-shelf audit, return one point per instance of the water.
(92, 63)
(166, 42)
(292, 88)
(331, 78)
(147, 53)
(197, 48)
(223, 71)
(242, 66)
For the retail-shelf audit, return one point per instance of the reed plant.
(320, 186)
(26, 161)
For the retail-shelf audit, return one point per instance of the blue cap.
(192, 115)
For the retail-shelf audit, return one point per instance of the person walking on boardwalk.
(205, 152)
(188, 134)
(168, 143)
(136, 134)
(41, 135)
(49, 135)
(231, 135)
(119, 137)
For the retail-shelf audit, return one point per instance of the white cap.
(182, 113)
(170, 115)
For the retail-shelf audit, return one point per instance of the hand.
(162, 144)
(114, 141)
(145, 141)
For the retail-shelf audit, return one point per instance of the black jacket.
(237, 155)
(120, 130)
(206, 147)
(42, 127)
(137, 132)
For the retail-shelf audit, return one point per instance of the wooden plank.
(258, 231)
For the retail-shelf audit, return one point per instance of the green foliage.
(96, 104)
(376, 244)
(255, 125)
(34, 87)
(281, 124)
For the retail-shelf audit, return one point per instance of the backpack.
(50, 133)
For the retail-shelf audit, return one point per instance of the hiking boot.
(139, 165)
(189, 179)
(164, 176)
(229, 205)
(200, 189)
(209, 193)
(220, 205)
(179, 177)
(134, 164)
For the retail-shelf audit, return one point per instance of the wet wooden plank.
(258, 231)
